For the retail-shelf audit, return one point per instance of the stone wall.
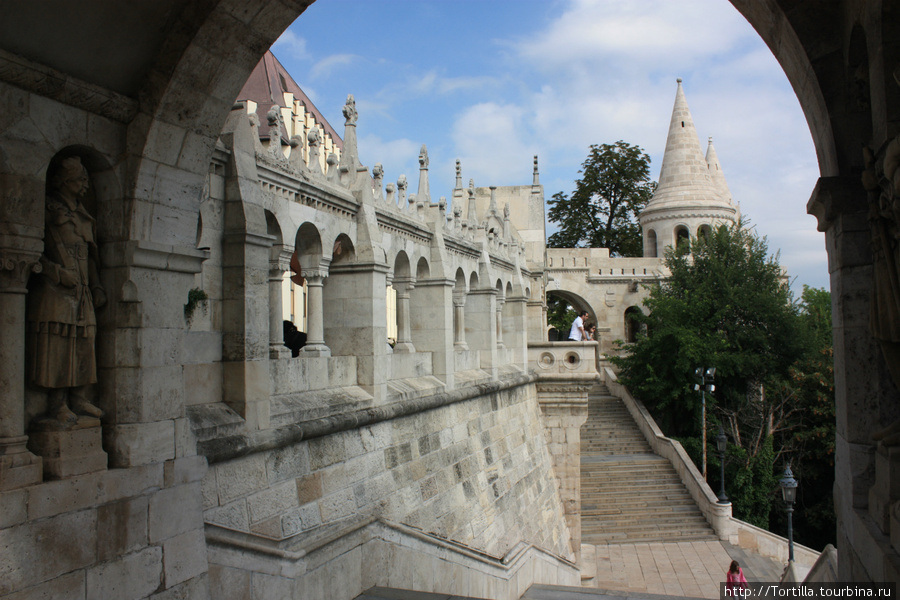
(476, 472)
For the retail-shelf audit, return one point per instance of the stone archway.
(159, 102)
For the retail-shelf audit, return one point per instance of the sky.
(494, 82)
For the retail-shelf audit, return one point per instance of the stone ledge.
(242, 444)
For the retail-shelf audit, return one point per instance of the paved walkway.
(692, 569)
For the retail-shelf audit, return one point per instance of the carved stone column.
(277, 267)
(459, 322)
(404, 339)
(18, 466)
(500, 302)
(315, 334)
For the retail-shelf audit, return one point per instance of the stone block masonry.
(477, 473)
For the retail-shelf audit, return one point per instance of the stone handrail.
(771, 545)
(718, 515)
(411, 551)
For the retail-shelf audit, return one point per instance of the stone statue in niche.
(881, 179)
(62, 324)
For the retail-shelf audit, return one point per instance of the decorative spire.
(424, 192)
(470, 214)
(684, 175)
(350, 155)
(715, 172)
(377, 179)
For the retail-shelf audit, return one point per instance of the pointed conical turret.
(684, 175)
(715, 172)
(689, 197)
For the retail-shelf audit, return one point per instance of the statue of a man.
(61, 321)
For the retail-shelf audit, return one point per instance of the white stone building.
(692, 197)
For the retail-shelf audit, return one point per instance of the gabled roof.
(266, 86)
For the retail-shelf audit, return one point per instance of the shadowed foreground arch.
(152, 96)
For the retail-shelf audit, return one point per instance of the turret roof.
(685, 179)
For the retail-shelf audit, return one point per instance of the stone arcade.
(230, 470)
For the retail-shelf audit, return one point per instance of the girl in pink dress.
(735, 577)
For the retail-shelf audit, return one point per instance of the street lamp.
(789, 494)
(721, 446)
(704, 378)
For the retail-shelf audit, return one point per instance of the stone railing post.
(499, 318)
(404, 339)
(315, 334)
(277, 267)
(459, 322)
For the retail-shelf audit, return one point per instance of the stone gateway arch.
(215, 451)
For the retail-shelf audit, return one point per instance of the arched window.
(632, 325)
(651, 249)
(682, 237)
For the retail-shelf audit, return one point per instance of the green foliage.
(807, 440)
(195, 297)
(602, 211)
(560, 315)
(727, 305)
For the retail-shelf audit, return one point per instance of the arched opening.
(403, 283)
(651, 249)
(632, 325)
(682, 239)
(563, 307)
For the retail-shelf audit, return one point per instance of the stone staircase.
(628, 493)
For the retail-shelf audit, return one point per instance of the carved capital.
(15, 268)
(315, 276)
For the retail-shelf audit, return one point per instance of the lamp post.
(721, 446)
(789, 494)
(704, 378)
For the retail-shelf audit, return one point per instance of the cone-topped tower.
(692, 194)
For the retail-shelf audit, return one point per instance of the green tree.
(808, 435)
(727, 305)
(602, 211)
(560, 314)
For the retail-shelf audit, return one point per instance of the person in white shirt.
(576, 334)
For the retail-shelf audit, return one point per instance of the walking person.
(735, 579)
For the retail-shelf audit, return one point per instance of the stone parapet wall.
(374, 552)
(476, 471)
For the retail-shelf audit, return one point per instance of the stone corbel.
(150, 255)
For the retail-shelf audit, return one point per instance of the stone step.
(628, 493)
(641, 538)
(380, 593)
(623, 514)
(556, 592)
(615, 525)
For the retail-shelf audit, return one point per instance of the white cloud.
(291, 46)
(397, 157)
(653, 31)
(327, 65)
(494, 144)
